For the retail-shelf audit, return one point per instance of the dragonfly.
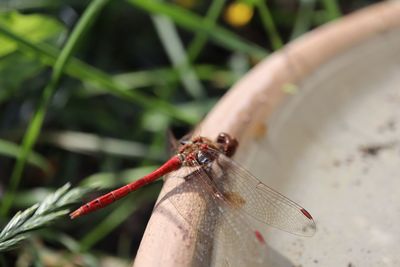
(232, 196)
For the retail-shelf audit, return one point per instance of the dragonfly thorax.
(198, 151)
(202, 151)
(203, 157)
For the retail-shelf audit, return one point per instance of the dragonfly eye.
(203, 158)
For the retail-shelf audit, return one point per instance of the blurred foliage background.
(88, 91)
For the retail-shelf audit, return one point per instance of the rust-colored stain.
(260, 130)
(235, 199)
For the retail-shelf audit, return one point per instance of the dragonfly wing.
(190, 190)
(225, 237)
(243, 190)
(237, 243)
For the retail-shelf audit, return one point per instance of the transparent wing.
(242, 190)
(191, 200)
(225, 236)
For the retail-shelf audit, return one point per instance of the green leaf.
(10, 149)
(35, 28)
(15, 68)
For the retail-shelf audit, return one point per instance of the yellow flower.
(238, 14)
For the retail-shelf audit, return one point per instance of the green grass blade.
(303, 18)
(111, 179)
(177, 54)
(36, 123)
(332, 9)
(84, 72)
(162, 77)
(193, 22)
(200, 39)
(11, 149)
(269, 25)
(87, 143)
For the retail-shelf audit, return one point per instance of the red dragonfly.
(231, 194)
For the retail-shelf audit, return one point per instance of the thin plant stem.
(303, 18)
(332, 9)
(175, 50)
(269, 25)
(80, 70)
(193, 22)
(200, 39)
(35, 125)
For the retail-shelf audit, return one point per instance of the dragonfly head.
(227, 144)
